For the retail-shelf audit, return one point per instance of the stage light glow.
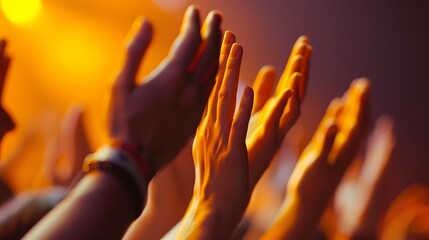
(20, 11)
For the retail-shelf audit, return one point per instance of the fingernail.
(191, 15)
(229, 38)
(190, 11)
(248, 93)
(236, 50)
(215, 17)
(303, 39)
(362, 85)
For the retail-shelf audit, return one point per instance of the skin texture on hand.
(221, 190)
(323, 163)
(275, 113)
(162, 112)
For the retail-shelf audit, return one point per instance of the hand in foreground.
(270, 122)
(221, 190)
(161, 113)
(323, 163)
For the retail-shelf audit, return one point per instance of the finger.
(241, 121)
(263, 85)
(294, 63)
(292, 110)
(138, 41)
(351, 123)
(355, 106)
(296, 66)
(331, 114)
(274, 114)
(378, 151)
(187, 43)
(207, 59)
(305, 73)
(228, 41)
(328, 138)
(300, 48)
(334, 109)
(228, 89)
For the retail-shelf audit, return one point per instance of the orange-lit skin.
(351, 211)
(151, 225)
(134, 115)
(408, 215)
(65, 153)
(221, 190)
(167, 205)
(266, 134)
(169, 194)
(214, 210)
(322, 164)
(168, 101)
(63, 160)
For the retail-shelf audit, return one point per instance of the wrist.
(218, 220)
(139, 155)
(298, 217)
(118, 164)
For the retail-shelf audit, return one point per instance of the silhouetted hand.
(161, 113)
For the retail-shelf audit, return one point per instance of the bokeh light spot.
(20, 11)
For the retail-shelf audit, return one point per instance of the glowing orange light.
(20, 11)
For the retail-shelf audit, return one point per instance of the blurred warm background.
(64, 52)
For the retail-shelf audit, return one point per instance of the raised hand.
(353, 197)
(274, 114)
(221, 190)
(161, 113)
(323, 163)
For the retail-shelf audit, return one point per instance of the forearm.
(99, 207)
(205, 221)
(296, 220)
(152, 224)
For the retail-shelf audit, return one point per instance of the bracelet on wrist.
(138, 154)
(114, 161)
